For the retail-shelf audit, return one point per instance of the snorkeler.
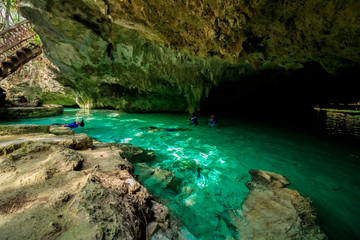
(212, 121)
(158, 129)
(75, 124)
(193, 119)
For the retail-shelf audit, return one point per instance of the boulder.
(271, 211)
(61, 130)
(266, 179)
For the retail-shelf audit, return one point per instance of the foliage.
(36, 40)
(9, 13)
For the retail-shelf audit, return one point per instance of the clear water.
(211, 165)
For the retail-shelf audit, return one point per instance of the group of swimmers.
(212, 121)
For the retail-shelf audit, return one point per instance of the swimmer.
(75, 124)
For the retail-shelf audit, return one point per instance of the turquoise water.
(210, 166)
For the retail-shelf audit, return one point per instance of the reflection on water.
(340, 124)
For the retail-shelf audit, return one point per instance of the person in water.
(75, 124)
(193, 120)
(158, 129)
(212, 121)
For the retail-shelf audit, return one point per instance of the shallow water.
(210, 165)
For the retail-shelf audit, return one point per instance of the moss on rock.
(67, 100)
(168, 55)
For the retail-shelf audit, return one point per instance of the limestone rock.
(61, 130)
(267, 179)
(55, 191)
(37, 79)
(20, 148)
(133, 153)
(31, 112)
(160, 212)
(122, 198)
(81, 141)
(66, 159)
(23, 129)
(167, 55)
(78, 141)
(61, 198)
(271, 211)
(158, 177)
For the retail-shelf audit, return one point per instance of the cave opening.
(288, 92)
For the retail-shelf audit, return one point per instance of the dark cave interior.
(285, 91)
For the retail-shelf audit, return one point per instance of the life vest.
(72, 125)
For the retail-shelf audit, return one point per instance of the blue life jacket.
(72, 125)
(213, 122)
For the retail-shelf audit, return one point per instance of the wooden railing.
(17, 46)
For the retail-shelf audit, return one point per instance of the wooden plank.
(17, 43)
(6, 72)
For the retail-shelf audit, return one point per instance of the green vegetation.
(58, 98)
(9, 13)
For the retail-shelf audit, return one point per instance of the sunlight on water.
(200, 172)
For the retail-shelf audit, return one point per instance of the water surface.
(210, 165)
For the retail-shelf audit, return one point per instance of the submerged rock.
(159, 179)
(271, 211)
(265, 179)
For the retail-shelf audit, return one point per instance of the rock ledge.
(65, 187)
(272, 211)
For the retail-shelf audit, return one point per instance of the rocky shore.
(59, 185)
(67, 186)
(31, 112)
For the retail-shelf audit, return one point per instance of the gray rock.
(266, 179)
(31, 112)
(61, 131)
(271, 211)
(23, 129)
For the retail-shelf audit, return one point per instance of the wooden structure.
(17, 46)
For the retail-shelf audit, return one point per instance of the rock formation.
(168, 55)
(65, 186)
(37, 79)
(28, 110)
(59, 185)
(272, 211)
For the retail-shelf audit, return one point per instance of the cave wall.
(158, 55)
(36, 79)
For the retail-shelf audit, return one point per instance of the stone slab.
(23, 129)
(31, 112)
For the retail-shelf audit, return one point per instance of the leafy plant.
(36, 40)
